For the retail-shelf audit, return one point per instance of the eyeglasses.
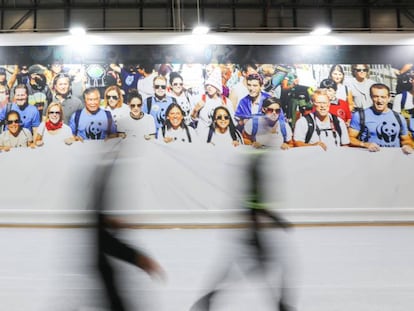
(222, 117)
(177, 84)
(271, 110)
(361, 70)
(54, 112)
(157, 86)
(135, 105)
(114, 97)
(13, 121)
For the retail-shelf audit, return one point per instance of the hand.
(406, 149)
(257, 145)
(235, 143)
(373, 147)
(168, 139)
(321, 144)
(151, 267)
(285, 146)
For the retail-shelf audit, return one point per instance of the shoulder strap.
(109, 117)
(311, 127)
(337, 125)
(255, 127)
(77, 117)
(188, 133)
(210, 134)
(149, 104)
(362, 130)
(403, 99)
(397, 116)
(282, 124)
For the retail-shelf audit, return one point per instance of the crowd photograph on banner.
(231, 105)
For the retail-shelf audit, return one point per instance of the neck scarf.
(52, 126)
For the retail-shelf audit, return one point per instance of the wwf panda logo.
(388, 132)
(94, 130)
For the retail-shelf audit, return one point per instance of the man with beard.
(29, 115)
(39, 92)
(62, 88)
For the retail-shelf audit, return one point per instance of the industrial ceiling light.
(77, 31)
(200, 29)
(321, 31)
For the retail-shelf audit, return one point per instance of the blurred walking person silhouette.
(108, 244)
(259, 218)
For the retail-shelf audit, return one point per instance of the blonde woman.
(114, 103)
(52, 130)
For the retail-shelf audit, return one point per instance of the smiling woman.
(16, 136)
(53, 130)
(175, 128)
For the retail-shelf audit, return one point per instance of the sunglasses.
(222, 117)
(54, 112)
(361, 70)
(114, 97)
(13, 121)
(177, 84)
(135, 105)
(271, 110)
(157, 86)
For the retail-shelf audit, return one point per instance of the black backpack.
(311, 126)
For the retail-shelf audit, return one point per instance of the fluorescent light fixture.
(77, 31)
(200, 30)
(321, 31)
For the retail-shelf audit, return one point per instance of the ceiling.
(291, 15)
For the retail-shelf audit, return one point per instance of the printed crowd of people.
(256, 105)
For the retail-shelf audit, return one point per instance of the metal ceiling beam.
(244, 5)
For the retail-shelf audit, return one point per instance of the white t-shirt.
(324, 132)
(136, 128)
(179, 135)
(119, 113)
(55, 137)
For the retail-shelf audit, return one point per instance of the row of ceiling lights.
(203, 29)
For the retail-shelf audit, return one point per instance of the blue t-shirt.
(158, 109)
(383, 129)
(29, 115)
(93, 126)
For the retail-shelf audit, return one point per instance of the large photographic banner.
(181, 121)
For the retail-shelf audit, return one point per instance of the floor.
(358, 268)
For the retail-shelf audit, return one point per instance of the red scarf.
(53, 127)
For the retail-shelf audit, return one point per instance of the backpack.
(364, 128)
(77, 117)
(311, 126)
(149, 103)
(282, 124)
(407, 114)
